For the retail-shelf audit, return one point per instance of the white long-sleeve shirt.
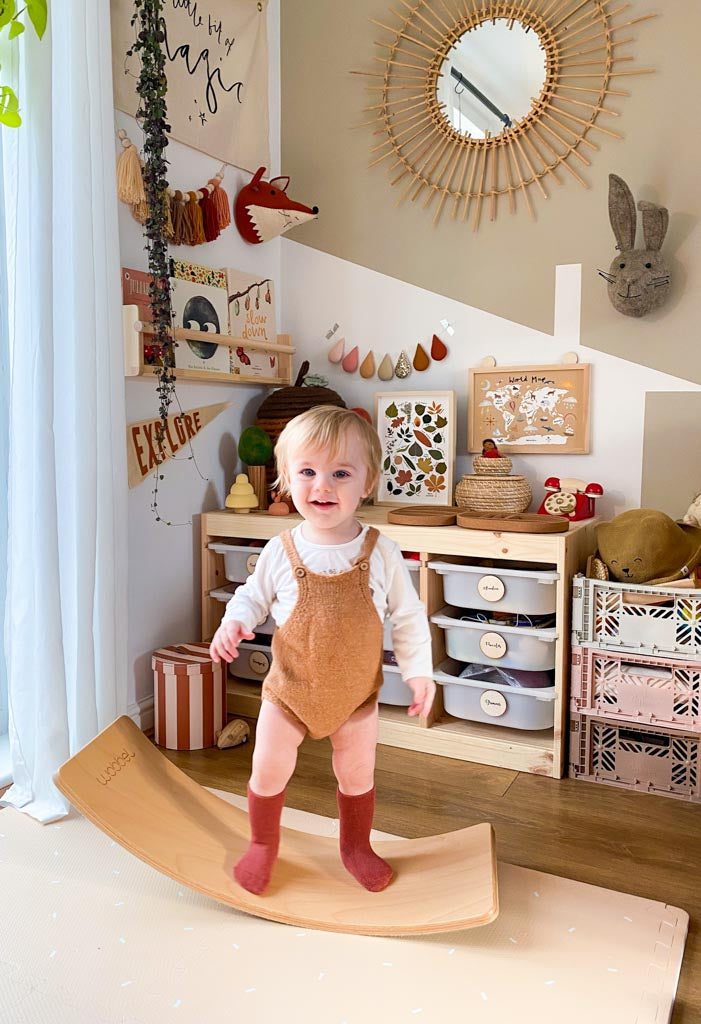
(272, 589)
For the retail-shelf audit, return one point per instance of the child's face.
(327, 491)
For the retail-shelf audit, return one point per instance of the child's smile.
(327, 489)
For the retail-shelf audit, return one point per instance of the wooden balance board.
(123, 784)
(423, 515)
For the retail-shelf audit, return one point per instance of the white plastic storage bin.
(413, 566)
(661, 621)
(485, 698)
(253, 662)
(224, 594)
(506, 590)
(239, 559)
(394, 690)
(486, 644)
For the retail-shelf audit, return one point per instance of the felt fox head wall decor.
(638, 279)
(263, 210)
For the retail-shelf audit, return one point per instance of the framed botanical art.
(530, 409)
(417, 434)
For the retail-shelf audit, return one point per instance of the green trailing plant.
(152, 115)
(37, 12)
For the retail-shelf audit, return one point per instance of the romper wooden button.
(364, 566)
(299, 571)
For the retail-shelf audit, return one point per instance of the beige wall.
(672, 452)
(507, 267)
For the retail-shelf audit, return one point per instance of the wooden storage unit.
(543, 752)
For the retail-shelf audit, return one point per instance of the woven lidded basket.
(493, 493)
(492, 467)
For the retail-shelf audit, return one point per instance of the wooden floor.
(647, 845)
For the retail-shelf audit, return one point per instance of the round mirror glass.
(490, 78)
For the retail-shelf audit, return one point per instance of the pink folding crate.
(649, 760)
(655, 691)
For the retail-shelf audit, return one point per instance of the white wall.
(387, 315)
(164, 593)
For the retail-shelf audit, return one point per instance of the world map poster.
(530, 409)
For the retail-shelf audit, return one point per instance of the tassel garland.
(194, 217)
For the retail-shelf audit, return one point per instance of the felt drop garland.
(193, 216)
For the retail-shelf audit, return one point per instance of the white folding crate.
(253, 661)
(658, 621)
(527, 591)
(485, 698)
(487, 644)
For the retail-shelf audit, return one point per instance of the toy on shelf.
(570, 498)
(278, 507)
(255, 451)
(491, 462)
(241, 496)
(643, 545)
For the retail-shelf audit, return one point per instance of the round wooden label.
(491, 588)
(259, 662)
(251, 563)
(493, 645)
(493, 703)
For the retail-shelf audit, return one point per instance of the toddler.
(328, 582)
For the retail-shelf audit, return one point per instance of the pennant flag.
(142, 439)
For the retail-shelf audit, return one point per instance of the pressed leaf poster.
(417, 433)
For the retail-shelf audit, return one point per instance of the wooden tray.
(513, 522)
(423, 515)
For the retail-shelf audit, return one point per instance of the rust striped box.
(189, 697)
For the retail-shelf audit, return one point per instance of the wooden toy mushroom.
(241, 496)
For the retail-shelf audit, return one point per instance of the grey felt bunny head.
(638, 279)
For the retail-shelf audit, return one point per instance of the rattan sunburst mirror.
(484, 101)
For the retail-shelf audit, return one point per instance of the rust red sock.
(254, 869)
(356, 814)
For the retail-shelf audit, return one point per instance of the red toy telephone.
(570, 498)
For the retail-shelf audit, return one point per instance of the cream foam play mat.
(91, 935)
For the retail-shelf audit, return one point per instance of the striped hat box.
(189, 697)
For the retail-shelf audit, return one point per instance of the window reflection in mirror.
(491, 77)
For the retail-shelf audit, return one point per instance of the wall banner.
(142, 444)
(217, 70)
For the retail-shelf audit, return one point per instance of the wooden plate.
(513, 522)
(423, 515)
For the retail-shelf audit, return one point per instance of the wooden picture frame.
(411, 471)
(530, 410)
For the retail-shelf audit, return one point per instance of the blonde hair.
(327, 427)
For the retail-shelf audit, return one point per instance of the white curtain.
(65, 618)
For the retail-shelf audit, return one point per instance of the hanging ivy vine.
(152, 115)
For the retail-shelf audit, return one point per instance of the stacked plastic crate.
(636, 687)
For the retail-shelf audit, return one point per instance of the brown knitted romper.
(327, 656)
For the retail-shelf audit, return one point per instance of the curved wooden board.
(423, 515)
(123, 784)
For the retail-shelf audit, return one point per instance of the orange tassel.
(177, 213)
(221, 204)
(210, 220)
(193, 217)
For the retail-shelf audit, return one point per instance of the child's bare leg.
(354, 746)
(278, 737)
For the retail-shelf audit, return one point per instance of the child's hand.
(226, 640)
(424, 690)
